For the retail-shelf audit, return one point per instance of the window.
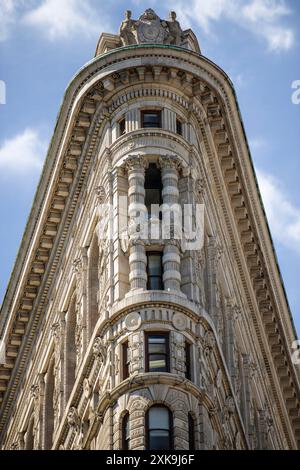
(157, 352)
(188, 372)
(159, 428)
(191, 432)
(122, 126)
(154, 271)
(125, 360)
(125, 432)
(151, 119)
(179, 126)
(153, 187)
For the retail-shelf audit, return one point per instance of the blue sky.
(257, 42)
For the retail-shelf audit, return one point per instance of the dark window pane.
(154, 271)
(159, 440)
(122, 126)
(151, 119)
(158, 418)
(159, 428)
(157, 363)
(156, 348)
(188, 360)
(178, 127)
(191, 432)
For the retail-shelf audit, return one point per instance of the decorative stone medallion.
(133, 321)
(149, 29)
(179, 321)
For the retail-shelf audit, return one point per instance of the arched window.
(93, 286)
(49, 407)
(159, 428)
(70, 349)
(125, 432)
(191, 423)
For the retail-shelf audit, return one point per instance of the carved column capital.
(136, 162)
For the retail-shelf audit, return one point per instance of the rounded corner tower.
(146, 309)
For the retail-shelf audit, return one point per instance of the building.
(120, 340)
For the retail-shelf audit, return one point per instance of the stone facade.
(79, 297)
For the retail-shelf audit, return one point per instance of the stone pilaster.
(170, 194)
(136, 193)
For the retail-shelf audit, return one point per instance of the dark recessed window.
(159, 428)
(188, 350)
(125, 432)
(154, 271)
(191, 432)
(151, 119)
(178, 126)
(122, 127)
(125, 360)
(153, 187)
(157, 352)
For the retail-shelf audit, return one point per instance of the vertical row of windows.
(159, 429)
(150, 119)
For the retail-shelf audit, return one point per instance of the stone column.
(170, 194)
(137, 257)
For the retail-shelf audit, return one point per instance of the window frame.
(121, 130)
(151, 111)
(166, 335)
(188, 359)
(125, 439)
(192, 433)
(125, 360)
(160, 254)
(179, 126)
(171, 427)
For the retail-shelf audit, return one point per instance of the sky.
(43, 43)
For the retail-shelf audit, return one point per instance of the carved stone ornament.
(87, 389)
(150, 29)
(219, 377)
(230, 405)
(133, 321)
(209, 340)
(99, 349)
(179, 321)
(73, 419)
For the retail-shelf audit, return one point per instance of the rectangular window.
(122, 126)
(151, 119)
(154, 271)
(157, 352)
(188, 350)
(125, 360)
(153, 188)
(178, 127)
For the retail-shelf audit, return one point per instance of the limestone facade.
(79, 312)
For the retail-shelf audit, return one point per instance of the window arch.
(125, 432)
(191, 424)
(93, 286)
(159, 428)
(70, 348)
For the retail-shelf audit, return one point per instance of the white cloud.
(7, 15)
(263, 18)
(64, 18)
(56, 19)
(22, 154)
(283, 215)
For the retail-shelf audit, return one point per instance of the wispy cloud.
(55, 19)
(64, 18)
(23, 154)
(282, 213)
(263, 18)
